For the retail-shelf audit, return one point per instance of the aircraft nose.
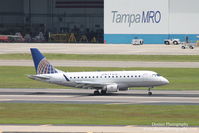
(164, 81)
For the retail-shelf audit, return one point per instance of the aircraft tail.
(42, 66)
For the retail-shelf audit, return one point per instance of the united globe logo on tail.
(42, 66)
(45, 67)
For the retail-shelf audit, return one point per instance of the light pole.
(30, 16)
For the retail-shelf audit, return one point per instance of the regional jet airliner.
(101, 82)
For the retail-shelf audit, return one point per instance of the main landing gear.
(96, 92)
(103, 92)
(149, 91)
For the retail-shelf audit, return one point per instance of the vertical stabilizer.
(42, 66)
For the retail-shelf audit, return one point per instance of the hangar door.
(84, 18)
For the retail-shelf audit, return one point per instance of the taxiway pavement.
(127, 49)
(121, 64)
(94, 129)
(83, 96)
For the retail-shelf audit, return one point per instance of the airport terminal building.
(108, 21)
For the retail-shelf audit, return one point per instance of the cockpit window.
(158, 75)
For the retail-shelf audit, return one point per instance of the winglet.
(42, 66)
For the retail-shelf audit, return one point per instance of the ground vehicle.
(172, 41)
(188, 45)
(137, 41)
(4, 38)
(15, 38)
(11, 38)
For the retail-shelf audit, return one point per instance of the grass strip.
(97, 114)
(99, 57)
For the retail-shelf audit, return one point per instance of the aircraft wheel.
(103, 92)
(167, 43)
(150, 93)
(191, 47)
(96, 93)
(175, 42)
(183, 47)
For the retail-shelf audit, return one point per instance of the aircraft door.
(146, 76)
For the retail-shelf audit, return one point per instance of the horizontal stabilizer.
(38, 77)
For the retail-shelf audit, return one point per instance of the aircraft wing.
(87, 84)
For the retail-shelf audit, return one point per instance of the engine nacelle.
(112, 88)
(123, 87)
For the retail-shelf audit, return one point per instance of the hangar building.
(151, 20)
(110, 21)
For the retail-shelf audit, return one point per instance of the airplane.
(102, 82)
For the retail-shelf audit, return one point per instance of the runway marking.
(130, 126)
(116, 103)
(6, 100)
(46, 125)
(51, 96)
(147, 97)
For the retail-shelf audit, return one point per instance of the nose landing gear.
(149, 91)
(103, 92)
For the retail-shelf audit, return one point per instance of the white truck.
(137, 41)
(172, 41)
(188, 45)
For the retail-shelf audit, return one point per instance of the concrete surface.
(147, 49)
(123, 64)
(83, 96)
(95, 129)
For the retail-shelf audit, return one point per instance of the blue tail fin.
(42, 66)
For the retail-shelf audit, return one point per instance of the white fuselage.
(93, 80)
(106, 81)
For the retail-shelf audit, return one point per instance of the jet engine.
(112, 88)
(122, 87)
